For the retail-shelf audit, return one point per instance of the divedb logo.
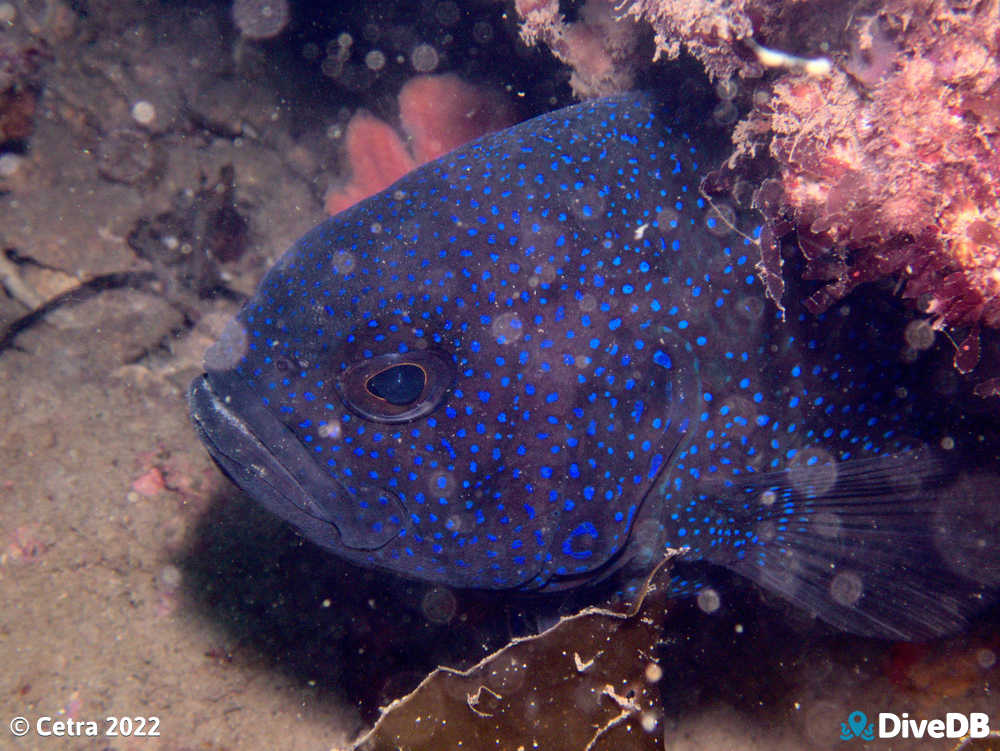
(891, 725)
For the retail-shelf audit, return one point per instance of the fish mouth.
(267, 460)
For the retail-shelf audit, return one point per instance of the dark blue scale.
(539, 361)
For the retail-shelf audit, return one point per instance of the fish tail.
(900, 547)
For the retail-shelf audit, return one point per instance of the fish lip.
(237, 433)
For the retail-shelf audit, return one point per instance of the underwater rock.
(21, 66)
(204, 229)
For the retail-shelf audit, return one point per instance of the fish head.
(473, 418)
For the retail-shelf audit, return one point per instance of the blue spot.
(584, 529)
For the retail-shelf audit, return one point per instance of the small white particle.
(143, 112)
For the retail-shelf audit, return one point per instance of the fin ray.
(859, 543)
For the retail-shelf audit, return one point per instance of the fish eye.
(398, 386)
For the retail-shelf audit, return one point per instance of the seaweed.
(584, 684)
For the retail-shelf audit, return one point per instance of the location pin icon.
(857, 721)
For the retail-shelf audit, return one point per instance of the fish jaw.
(246, 440)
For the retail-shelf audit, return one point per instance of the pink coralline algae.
(604, 46)
(889, 164)
(710, 30)
(600, 48)
(150, 483)
(377, 157)
(437, 113)
(883, 160)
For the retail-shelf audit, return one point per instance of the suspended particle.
(721, 219)
(260, 19)
(442, 484)
(482, 32)
(229, 349)
(509, 675)
(820, 720)
(125, 156)
(667, 218)
(143, 112)
(654, 673)
(455, 523)
(725, 113)
(649, 721)
(727, 89)
(375, 60)
(439, 605)
(750, 308)
(332, 430)
(766, 531)
(813, 471)
(447, 13)
(709, 600)
(10, 164)
(424, 58)
(507, 328)
(545, 274)
(742, 192)
(343, 262)
(919, 335)
(170, 578)
(945, 381)
(344, 41)
(331, 67)
(826, 525)
(846, 588)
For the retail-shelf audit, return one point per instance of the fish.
(545, 360)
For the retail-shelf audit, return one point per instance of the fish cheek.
(629, 427)
(366, 517)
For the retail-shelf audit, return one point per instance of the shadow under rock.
(362, 635)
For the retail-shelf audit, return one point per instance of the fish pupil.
(400, 385)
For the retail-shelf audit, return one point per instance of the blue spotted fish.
(544, 359)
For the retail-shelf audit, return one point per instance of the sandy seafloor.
(136, 581)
